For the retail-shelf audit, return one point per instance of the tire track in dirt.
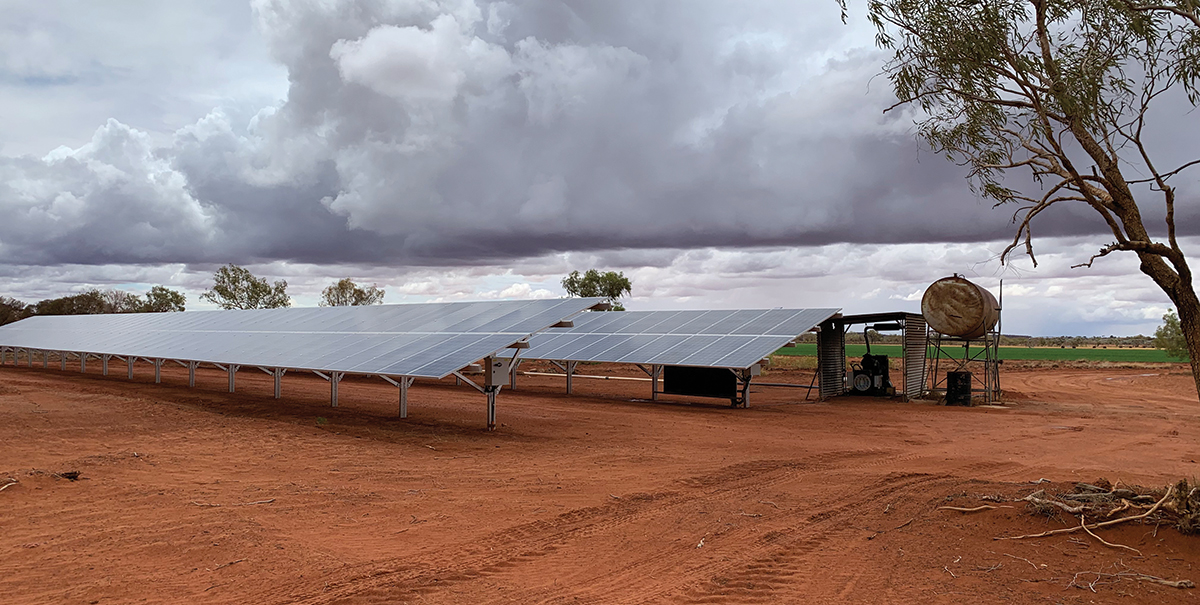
(501, 553)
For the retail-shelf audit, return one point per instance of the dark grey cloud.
(449, 132)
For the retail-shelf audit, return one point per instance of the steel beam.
(232, 369)
(491, 407)
(277, 374)
(104, 363)
(158, 370)
(191, 366)
(334, 379)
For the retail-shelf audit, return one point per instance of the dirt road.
(199, 496)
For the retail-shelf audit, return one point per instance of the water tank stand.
(955, 354)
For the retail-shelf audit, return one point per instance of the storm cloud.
(430, 132)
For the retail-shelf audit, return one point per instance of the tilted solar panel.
(429, 340)
(721, 339)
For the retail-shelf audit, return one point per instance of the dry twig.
(11, 482)
(242, 504)
(971, 510)
(1022, 559)
(226, 564)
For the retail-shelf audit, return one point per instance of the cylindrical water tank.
(956, 307)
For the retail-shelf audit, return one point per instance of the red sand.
(196, 495)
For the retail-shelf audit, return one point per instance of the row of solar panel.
(722, 339)
(426, 340)
(497, 317)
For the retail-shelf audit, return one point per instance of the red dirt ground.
(200, 496)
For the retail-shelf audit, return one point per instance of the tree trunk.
(1189, 321)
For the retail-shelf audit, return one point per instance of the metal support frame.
(232, 369)
(334, 379)
(655, 374)
(191, 366)
(62, 361)
(45, 359)
(403, 383)
(512, 378)
(744, 376)
(987, 353)
(129, 366)
(104, 364)
(490, 391)
(83, 363)
(158, 363)
(277, 374)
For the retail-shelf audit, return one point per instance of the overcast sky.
(720, 153)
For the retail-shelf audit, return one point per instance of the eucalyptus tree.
(345, 292)
(1065, 92)
(236, 287)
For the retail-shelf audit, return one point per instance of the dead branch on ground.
(1069, 530)
(194, 503)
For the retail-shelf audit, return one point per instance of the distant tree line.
(159, 299)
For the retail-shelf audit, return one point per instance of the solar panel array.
(429, 340)
(720, 339)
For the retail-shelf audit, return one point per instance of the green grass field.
(1117, 355)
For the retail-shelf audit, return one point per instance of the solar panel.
(720, 339)
(429, 340)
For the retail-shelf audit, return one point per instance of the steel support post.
(655, 372)
(29, 355)
(232, 369)
(277, 374)
(158, 370)
(334, 379)
(45, 359)
(129, 366)
(405, 382)
(62, 360)
(3, 355)
(104, 363)
(512, 378)
(570, 371)
(491, 407)
(83, 362)
(191, 366)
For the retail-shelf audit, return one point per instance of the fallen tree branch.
(971, 510)
(1069, 530)
(1033, 499)
(1083, 524)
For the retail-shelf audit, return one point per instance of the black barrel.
(958, 388)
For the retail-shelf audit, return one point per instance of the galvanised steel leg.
(491, 408)
(232, 370)
(404, 384)
(83, 362)
(277, 373)
(158, 370)
(334, 379)
(655, 372)
(570, 368)
(62, 360)
(192, 373)
(45, 359)
(129, 366)
(29, 355)
(104, 364)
